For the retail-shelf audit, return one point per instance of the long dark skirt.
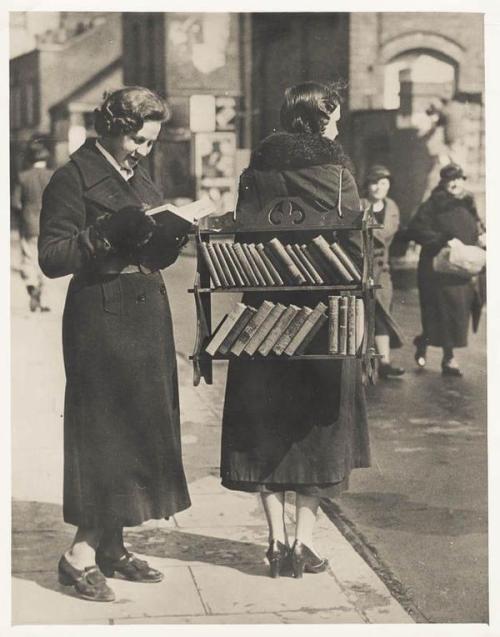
(293, 425)
(445, 305)
(122, 447)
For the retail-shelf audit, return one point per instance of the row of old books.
(277, 329)
(276, 264)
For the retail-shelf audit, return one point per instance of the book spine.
(230, 261)
(223, 329)
(277, 280)
(305, 328)
(360, 323)
(245, 264)
(241, 269)
(211, 268)
(260, 264)
(331, 258)
(251, 327)
(217, 265)
(343, 325)
(278, 265)
(257, 277)
(302, 348)
(351, 325)
(333, 324)
(280, 326)
(316, 277)
(239, 326)
(323, 272)
(263, 330)
(346, 260)
(282, 255)
(291, 330)
(291, 253)
(225, 266)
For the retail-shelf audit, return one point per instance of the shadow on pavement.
(40, 536)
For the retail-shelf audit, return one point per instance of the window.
(424, 69)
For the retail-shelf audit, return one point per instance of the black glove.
(127, 229)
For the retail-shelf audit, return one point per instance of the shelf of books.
(256, 257)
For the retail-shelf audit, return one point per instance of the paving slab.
(39, 599)
(231, 509)
(250, 589)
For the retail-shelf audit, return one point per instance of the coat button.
(163, 290)
(141, 298)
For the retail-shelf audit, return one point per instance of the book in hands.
(191, 212)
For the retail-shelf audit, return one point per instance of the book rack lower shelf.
(284, 288)
(316, 357)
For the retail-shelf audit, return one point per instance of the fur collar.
(443, 201)
(289, 151)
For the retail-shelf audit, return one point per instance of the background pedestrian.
(446, 300)
(386, 212)
(27, 199)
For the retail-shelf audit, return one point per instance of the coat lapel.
(104, 187)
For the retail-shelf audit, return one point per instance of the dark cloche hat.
(376, 172)
(450, 172)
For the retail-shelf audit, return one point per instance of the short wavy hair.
(307, 107)
(125, 111)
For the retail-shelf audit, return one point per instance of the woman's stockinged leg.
(383, 348)
(306, 511)
(82, 550)
(274, 508)
(111, 543)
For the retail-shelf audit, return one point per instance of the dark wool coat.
(295, 425)
(446, 300)
(122, 447)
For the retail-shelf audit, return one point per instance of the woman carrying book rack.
(296, 426)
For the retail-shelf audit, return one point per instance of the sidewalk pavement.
(212, 554)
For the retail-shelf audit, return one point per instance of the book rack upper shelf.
(288, 214)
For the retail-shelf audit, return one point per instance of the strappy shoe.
(306, 561)
(128, 565)
(89, 583)
(278, 556)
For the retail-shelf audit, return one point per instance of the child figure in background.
(386, 212)
(28, 200)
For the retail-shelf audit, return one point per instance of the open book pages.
(191, 212)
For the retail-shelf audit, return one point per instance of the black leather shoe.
(386, 370)
(305, 560)
(447, 370)
(278, 556)
(128, 565)
(89, 583)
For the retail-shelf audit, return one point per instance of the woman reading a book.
(122, 449)
(297, 425)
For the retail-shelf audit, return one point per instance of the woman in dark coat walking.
(122, 447)
(446, 300)
(296, 426)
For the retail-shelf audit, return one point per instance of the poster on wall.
(215, 168)
(202, 52)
